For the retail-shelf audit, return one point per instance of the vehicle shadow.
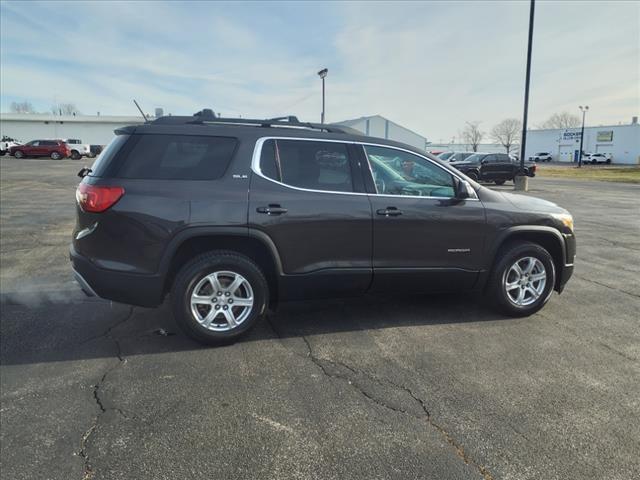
(88, 329)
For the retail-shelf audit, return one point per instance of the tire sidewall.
(18, 154)
(205, 265)
(498, 293)
(56, 156)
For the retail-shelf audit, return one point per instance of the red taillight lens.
(97, 198)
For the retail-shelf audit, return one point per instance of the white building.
(93, 129)
(621, 141)
(378, 126)
(98, 129)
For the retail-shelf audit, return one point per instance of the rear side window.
(103, 161)
(175, 157)
(308, 164)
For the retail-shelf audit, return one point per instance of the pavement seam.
(607, 286)
(83, 453)
(459, 449)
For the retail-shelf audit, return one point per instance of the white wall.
(562, 144)
(377, 126)
(90, 129)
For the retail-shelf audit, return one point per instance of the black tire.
(75, 155)
(473, 175)
(194, 271)
(55, 156)
(18, 154)
(608, 161)
(499, 182)
(505, 259)
(594, 162)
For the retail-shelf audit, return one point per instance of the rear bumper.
(121, 287)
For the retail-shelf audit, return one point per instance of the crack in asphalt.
(607, 286)
(323, 363)
(83, 453)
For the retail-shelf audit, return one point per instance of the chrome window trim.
(257, 152)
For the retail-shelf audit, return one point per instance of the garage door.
(567, 153)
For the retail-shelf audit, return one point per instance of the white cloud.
(430, 66)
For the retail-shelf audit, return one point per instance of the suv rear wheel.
(75, 155)
(218, 296)
(473, 175)
(55, 156)
(522, 281)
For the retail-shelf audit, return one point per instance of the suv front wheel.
(218, 296)
(522, 280)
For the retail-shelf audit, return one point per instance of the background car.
(56, 149)
(541, 157)
(444, 156)
(492, 167)
(595, 158)
(7, 143)
(78, 149)
(459, 156)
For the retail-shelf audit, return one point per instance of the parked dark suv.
(230, 216)
(492, 167)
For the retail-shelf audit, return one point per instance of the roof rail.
(207, 116)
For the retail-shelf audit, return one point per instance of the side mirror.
(462, 189)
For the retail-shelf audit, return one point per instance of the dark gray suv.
(230, 216)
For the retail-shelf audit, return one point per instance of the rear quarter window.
(175, 157)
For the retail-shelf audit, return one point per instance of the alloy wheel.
(221, 301)
(524, 282)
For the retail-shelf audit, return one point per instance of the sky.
(429, 66)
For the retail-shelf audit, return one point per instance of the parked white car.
(7, 143)
(596, 158)
(541, 157)
(78, 149)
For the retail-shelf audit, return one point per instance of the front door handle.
(272, 210)
(389, 212)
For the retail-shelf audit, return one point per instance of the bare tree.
(561, 121)
(65, 109)
(507, 132)
(472, 134)
(22, 107)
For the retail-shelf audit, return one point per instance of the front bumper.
(121, 287)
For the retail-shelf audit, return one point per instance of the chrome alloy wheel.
(221, 301)
(524, 281)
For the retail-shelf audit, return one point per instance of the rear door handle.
(272, 210)
(389, 212)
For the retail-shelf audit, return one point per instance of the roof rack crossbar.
(207, 116)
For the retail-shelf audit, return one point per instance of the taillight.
(97, 198)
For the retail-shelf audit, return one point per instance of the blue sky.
(430, 66)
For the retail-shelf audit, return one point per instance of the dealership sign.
(606, 136)
(567, 135)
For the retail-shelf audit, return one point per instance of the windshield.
(445, 155)
(475, 158)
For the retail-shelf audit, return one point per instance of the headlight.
(565, 218)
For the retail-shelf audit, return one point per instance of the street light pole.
(584, 111)
(522, 183)
(322, 74)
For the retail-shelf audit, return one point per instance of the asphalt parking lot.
(422, 387)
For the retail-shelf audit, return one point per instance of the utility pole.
(584, 111)
(322, 74)
(523, 146)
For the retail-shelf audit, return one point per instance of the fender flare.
(207, 231)
(511, 231)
